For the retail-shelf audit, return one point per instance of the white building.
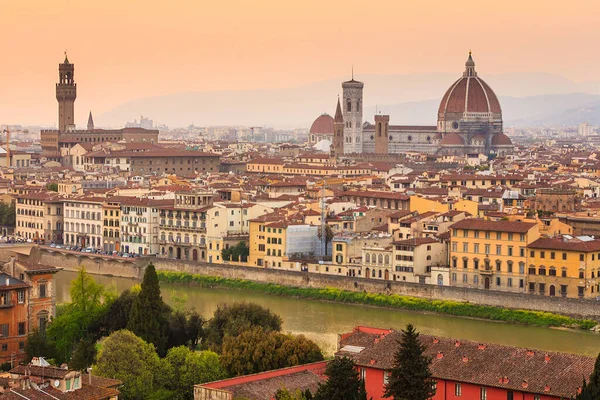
(83, 222)
(139, 225)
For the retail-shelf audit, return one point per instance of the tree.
(343, 381)
(53, 187)
(327, 232)
(126, 357)
(38, 345)
(233, 320)
(239, 252)
(183, 368)
(410, 376)
(147, 318)
(590, 390)
(255, 350)
(84, 354)
(8, 214)
(284, 394)
(88, 302)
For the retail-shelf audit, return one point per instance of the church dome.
(322, 125)
(452, 139)
(470, 94)
(501, 139)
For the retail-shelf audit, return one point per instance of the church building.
(469, 122)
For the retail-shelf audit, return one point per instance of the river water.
(322, 321)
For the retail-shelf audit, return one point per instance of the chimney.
(372, 362)
(530, 353)
(89, 371)
(524, 384)
(546, 358)
(465, 359)
(439, 355)
(457, 343)
(481, 346)
(436, 340)
(547, 388)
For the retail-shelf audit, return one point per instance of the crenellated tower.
(66, 93)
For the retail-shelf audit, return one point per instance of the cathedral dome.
(470, 94)
(322, 125)
(452, 139)
(501, 139)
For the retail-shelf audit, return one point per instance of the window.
(532, 253)
(386, 378)
(476, 248)
(510, 236)
(552, 255)
(510, 250)
(482, 394)
(476, 279)
(487, 234)
(465, 247)
(476, 234)
(457, 389)
(21, 328)
(509, 396)
(465, 233)
(542, 254)
(564, 256)
(21, 296)
(68, 384)
(536, 397)
(363, 374)
(42, 290)
(487, 249)
(498, 235)
(509, 282)
(4, 330)
(498, 250)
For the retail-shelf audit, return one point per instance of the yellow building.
(564, 266)
(423, 205)
(39, 217)
(267, 241)
(111, 217)
(490, 254)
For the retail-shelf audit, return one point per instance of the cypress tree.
(343, 382)
(410, 377)
(591, 389)
(147, 318)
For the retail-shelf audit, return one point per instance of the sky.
(129, 49)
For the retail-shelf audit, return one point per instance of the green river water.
(322, 321)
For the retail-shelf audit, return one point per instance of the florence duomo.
(469, 121)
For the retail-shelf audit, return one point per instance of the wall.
(133, 268)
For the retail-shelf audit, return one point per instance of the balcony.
(487, 270)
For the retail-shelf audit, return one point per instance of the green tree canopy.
(53, 187)
(233, 319)
(88, 302)
(184, 368)
(410, 377)
(255, 350)
(147, 318)
(126, 357)
(591, 388)
(8, 214)
(343, 381)
(239, 252)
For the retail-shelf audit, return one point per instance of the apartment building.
(564, 266)
(83, 222)
(229, 224)
(140, 225)
(39, 217)
(420, 260)
(182, 226)
(490, 254)
(27, 302)
(111, 222)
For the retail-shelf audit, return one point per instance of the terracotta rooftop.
(492, 365)
(494, 226)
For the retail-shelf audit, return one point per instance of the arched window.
(387, 259)
(368, 258)
(428, 258)
(380, 259)
(349, 105)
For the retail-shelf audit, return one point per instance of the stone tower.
(337, 147)
(66, 93)
(382, 123)
(352, 106)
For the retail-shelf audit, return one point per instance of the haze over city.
(124, 51)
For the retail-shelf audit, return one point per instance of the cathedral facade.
(469, 121)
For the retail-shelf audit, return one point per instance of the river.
(322, 321)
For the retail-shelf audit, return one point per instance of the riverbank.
(445, 307)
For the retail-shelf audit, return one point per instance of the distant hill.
(559, 109)
(533, 98)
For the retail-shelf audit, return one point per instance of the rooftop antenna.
(353, 72)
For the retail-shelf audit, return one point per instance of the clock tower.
(66, 93)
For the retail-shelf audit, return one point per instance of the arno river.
(322, 321)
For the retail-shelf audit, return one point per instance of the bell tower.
(352, 111)
(66, 93)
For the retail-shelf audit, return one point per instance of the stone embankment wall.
(134, 268)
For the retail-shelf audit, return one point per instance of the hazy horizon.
(124, 51)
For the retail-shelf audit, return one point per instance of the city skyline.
(143, 54)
